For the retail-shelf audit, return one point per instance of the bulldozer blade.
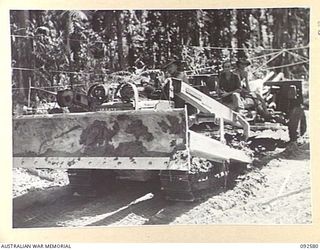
(109, 140)
(205, 147)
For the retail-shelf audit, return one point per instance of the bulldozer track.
(126, 203)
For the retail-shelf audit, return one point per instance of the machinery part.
(210, 149)
(121, 73)
(259, 145)
(156, 105)
(91, 182)
(193, 186)
(286, 92)
(99, 93)
(235, 169)
(204, 82)
(88, 143)
(207, 104)
(128, 93)
(137, 175)
(134, 139)
(65, 98)
(72, 99)
(55, 111)
(297, 124)
(142, 139)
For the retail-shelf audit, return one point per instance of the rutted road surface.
(276, 191)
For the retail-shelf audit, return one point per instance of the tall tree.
(21, 48)
(56, 47)
(243, 32)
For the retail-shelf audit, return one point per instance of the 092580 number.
(313, 246)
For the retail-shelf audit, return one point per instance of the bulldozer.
(115, 132)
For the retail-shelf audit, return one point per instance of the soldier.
(229, 87)
(242, 64)
(256, 99)
(174, 69)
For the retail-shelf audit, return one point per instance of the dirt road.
(275, 191)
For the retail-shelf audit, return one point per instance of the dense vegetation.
(57, 48)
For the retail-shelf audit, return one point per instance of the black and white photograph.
(139, 117)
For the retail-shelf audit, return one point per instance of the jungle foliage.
(60, 47)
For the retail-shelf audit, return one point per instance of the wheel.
(297, 124)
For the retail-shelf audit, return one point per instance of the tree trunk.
(119, 39)
(243, 30)
(23, 55)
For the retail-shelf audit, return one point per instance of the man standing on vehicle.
(174, 69)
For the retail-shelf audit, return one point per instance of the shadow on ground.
(293, 151)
